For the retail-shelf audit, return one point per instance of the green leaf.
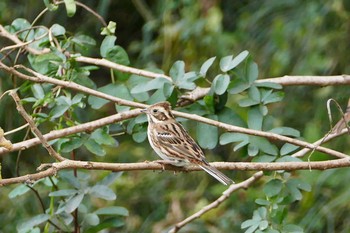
(63, 193)
(288, 148)
(225, 63)
(94, 147)
(91, 219)
(114, 210)
(295, 185)
(253, 150)
(29, 224)
(228, 63)
(254, 94)
(207, 134)
(268, 85)
(110, 178)
(187, 81)
(291, 228)
(20, 24)
(263, 225)
(71, 145)
(70, 7)
(288, 158)
(255, 119)
(83, 40)
(177, 71)
(287, 131)
(50, 6)
(18, 191)
(57, 30)
(59, 110)
(220, 83)
(264, 158)
(247, 102)
(227, 138)
(105, 224)
(103, 192)
(274, 97)
(239, 58)
(102, 137)
(107, 44)
(112, 89)
(118, 55)
(73, 203)
(229, 116)
(110, 29)
(263, 202)
(237, 86)
(206, 65)
(139, 136)
(273, 188)
(263, 145)
(71, 179)
(38, 91)
(45, 63)
(252, 72)
(157, 83)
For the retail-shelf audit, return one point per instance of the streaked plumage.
(172, 143)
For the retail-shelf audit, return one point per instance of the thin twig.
(33, 127)
(225, 195)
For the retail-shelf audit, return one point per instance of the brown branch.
(225, 195)
(243, 166)
(309, 80)
(33, 127)
(121, 68)
(85, 127)
(230, 128)
(258, 175)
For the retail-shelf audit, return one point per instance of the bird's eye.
(155, 110)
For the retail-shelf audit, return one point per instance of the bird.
(173, 144)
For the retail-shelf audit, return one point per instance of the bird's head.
(159, 112)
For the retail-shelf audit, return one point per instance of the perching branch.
(230, 128)
(53, 168)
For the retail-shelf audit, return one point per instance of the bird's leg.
(163, 163)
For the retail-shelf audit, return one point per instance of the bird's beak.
(143, 110)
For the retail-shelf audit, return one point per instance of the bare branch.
(121, 68)
(243, 166)
(218, 201)
(86, 127)
(230, 128)
(33, 127)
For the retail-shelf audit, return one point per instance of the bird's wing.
(175, 137)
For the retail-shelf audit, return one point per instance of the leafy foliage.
(177, 40)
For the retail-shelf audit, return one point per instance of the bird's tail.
(217, 174)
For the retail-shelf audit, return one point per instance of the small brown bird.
(342, 123)
(173, 144)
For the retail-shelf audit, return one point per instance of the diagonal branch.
(33, 127)
(217, 202)
(230, 128)
(85, 127)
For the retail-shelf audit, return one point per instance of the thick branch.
(243, 166)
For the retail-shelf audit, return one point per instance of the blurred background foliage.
(292, 37)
